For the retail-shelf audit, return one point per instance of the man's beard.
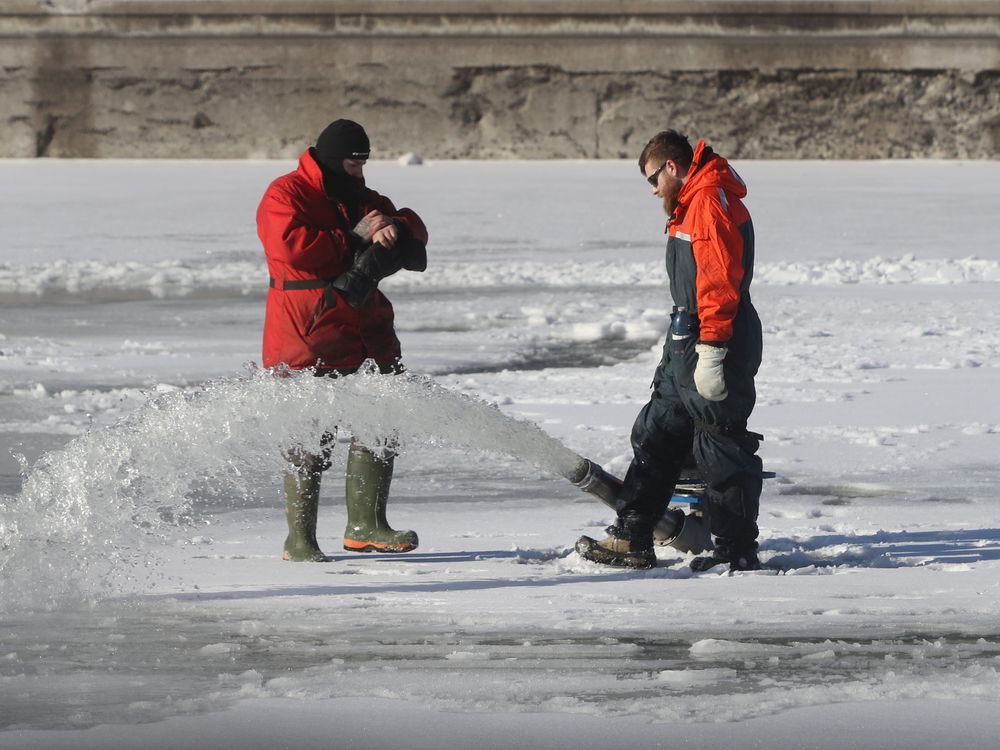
(670, 194)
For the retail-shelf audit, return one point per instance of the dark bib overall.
(677, 421)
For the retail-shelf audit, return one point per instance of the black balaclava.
(342, 139)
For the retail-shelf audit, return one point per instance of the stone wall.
(500, 78)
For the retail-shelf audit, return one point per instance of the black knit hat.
(342, 139)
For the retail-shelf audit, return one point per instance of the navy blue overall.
(677, 421)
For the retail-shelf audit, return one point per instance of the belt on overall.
(290, 285)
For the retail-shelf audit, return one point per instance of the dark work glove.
(414, 254)
(371, 265)
(407, 253)
(375, 263)
(354, 287)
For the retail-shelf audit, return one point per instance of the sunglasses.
(655, 177)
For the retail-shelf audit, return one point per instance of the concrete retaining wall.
(501, 78)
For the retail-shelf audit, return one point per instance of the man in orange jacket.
(703, 389)
(329, 240)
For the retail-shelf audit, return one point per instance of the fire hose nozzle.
(592, 478)
(684, 532)
(687, 533)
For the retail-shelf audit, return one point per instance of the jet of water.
(88, 513)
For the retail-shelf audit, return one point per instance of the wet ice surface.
(140, 664)
(490, 616)
(148, 585)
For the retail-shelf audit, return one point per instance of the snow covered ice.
(143, 598)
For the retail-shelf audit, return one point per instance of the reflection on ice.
(131, 663)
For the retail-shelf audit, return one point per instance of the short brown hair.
(667, 145)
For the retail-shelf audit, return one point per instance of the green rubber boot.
(368, 479)
(301, 510)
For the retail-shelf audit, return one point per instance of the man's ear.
(675, 170)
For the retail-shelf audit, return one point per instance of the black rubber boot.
(624, 547)
(368, 479)
(738, 556)
(301, 511)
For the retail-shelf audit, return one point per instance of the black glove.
(414, 254)
(356, 285)
(371, 265)
(375, 263)
(407, 253)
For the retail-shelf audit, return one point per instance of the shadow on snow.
(887, 549)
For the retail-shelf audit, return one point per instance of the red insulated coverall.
(306, 237)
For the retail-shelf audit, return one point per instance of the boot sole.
(287, 558)
(352, 545)
(590, 550)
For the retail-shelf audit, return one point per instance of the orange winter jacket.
(710, 248)
(306, 238)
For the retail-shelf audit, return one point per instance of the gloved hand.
(709, 378)
(411, 254)
(414, 254)
(370, 266)
(375, 263)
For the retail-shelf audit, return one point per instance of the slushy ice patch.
(89, 515)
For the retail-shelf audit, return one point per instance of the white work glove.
(708, 375)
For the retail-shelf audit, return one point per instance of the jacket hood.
(710, 171)
(311, 170)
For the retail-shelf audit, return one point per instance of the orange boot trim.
(355, 545)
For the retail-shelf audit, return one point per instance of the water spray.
(90, 515)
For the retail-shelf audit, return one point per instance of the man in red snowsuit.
(703, 389)
(329, 240)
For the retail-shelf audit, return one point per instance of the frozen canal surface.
(143, 598)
